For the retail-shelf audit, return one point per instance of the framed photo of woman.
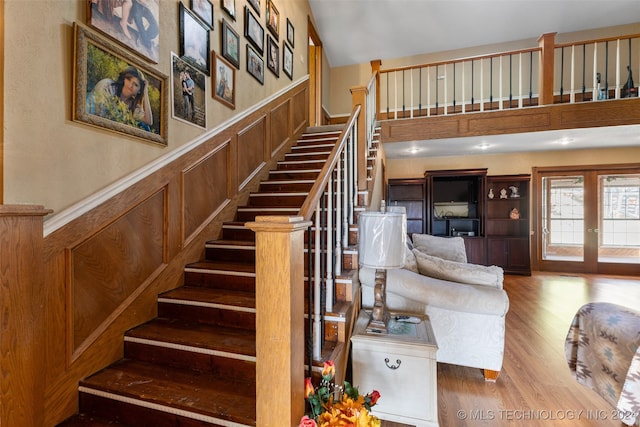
(115, 90)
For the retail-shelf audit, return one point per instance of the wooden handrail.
(458, 60)
(308, 207)
(602, 40)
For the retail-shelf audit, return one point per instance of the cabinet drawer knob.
(398, 362)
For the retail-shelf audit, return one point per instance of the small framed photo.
(229, 6)
(273, 19)
(253, 31)
(255, 4)
(138, 30)
(255, 64)
(287, 60)
(188, 87)
(273, 56)
(230, 41)
(117, 91)
(204, 10)
(224, 80)
(290, 33)
(194, 40)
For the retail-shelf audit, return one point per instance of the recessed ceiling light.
(414, 150)
(483, 146)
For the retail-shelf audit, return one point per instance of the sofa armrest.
(441, 293)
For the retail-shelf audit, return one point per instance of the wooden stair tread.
(212, 296)
(199, 393)
(197, 335)
(229, 242)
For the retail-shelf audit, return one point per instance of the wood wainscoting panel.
(112, 265)
(251, 149)
(205, 189)
(280, 126)
(300, 109)
(523, 120)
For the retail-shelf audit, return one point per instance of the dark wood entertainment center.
(491, 213)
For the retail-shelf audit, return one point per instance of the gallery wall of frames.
(116, 83)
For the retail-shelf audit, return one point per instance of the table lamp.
(382, 240)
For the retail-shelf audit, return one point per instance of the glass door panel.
(563, 218)
(619, 218)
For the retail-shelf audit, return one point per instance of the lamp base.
(379, 321)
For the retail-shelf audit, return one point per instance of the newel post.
(547, 58)
(279, 319)
(359, 97)
(22, 321)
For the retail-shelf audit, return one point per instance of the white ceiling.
(358, 31)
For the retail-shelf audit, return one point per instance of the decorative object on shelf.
(514, 214)
(629, 90)
(382, 244)
(491, 195)
(503, 193)
(514, 191)
(332, 405)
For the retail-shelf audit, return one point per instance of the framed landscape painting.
(115, 90)
(137, 26)
(194, 40)
(253, 31)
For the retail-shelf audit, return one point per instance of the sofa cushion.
(410, 262)
(472, 274)
(449, 248)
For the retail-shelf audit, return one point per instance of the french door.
(588, 219)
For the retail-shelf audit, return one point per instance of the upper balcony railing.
(546, 74)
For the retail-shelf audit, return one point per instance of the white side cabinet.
(401, 365)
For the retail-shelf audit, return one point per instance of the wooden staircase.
(194, 364)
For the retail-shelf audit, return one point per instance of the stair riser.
(292, 174)
(315, 148)
(298, 156)
(222, 367)
(135, 415)
(305, 187)
(277, 200)
(208, 315)
(298, 166)
(226, 254)
(251, 215)
(238, 234)
(220, 281)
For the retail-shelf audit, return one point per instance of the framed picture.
(230, 44)
(255, 64)
(224, 78)
(290, 33)
(188, 89)
(115, 90)
(287, 60)
(253, 31)
(203, 10)
(273, 56)
(194, 40)
(229, 6)
(137, 27)
(273, 19)
(255, 4)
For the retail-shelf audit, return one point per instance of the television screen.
(451, 191)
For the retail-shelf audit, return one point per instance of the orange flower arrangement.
(333, 405)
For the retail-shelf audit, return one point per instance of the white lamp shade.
(382, 239)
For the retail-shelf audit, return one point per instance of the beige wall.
(507, 164)
(53, 161)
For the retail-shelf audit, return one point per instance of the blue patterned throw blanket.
(603, 352)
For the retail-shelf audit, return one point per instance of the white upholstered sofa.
(466, 303)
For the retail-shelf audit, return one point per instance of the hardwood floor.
(535, 387)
